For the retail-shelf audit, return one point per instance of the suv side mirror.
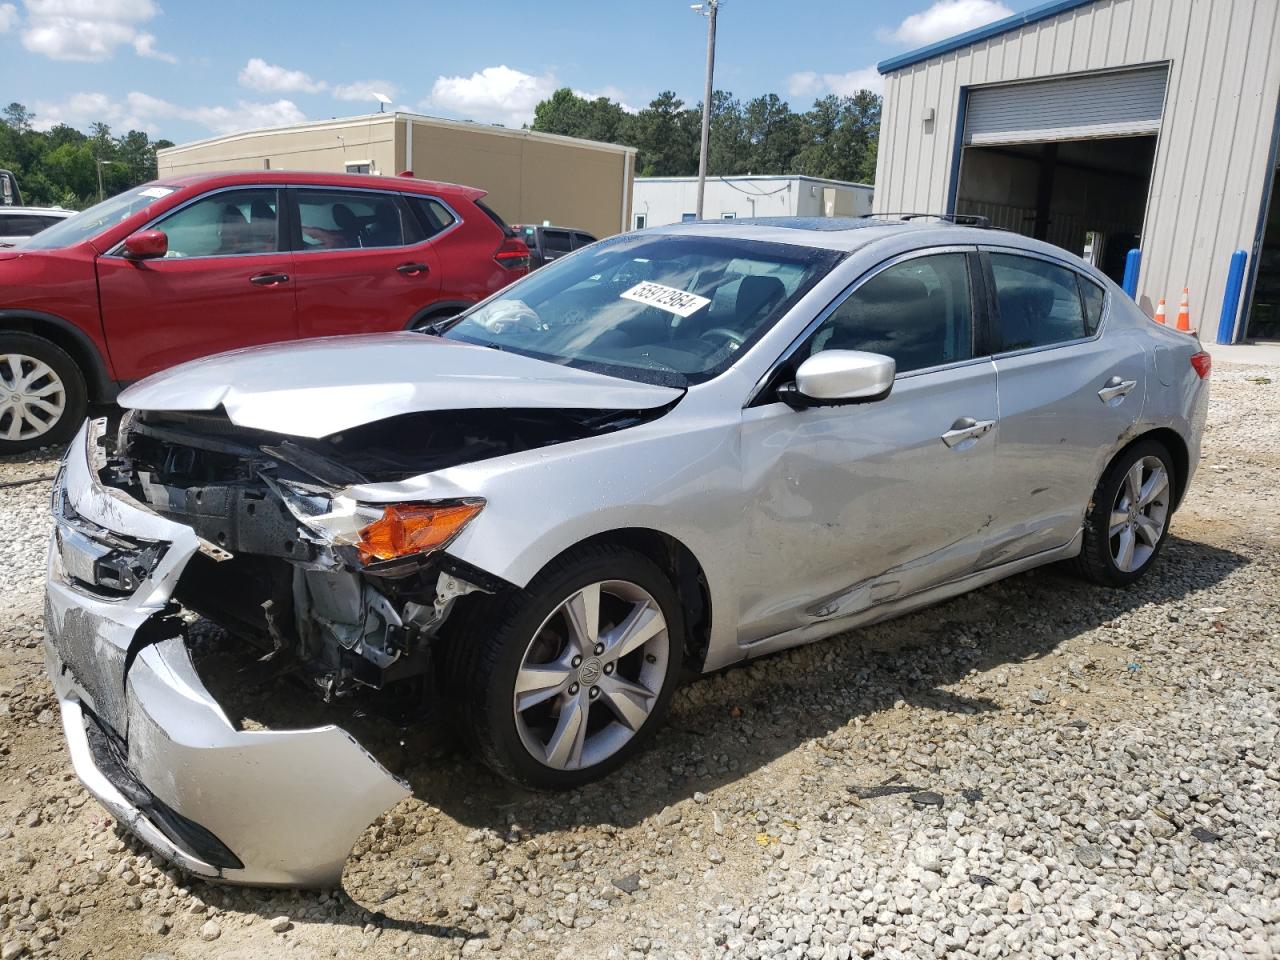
(833, 377)
(146, 245)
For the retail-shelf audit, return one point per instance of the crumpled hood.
(313, 388)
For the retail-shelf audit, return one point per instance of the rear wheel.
(564, 681)
(43, 397)
(1128, 520)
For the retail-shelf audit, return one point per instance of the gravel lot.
(1038, 769)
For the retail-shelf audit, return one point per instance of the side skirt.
(901, 605)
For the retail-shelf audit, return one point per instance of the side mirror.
(833, 377)
(146, 245)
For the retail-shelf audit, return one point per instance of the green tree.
(665, 135)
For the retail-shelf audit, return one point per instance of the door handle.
(1116, 388)
(269, 279)
(412, 269)
(966, 428)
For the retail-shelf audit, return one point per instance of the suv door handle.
(1116, 388)
(269, 279)
(412, 269)
(966, 428)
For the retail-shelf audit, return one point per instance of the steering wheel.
(732, 336)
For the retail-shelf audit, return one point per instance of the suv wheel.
(43, 398)
(1128, 520)
(562, 682)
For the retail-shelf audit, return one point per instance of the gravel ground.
(1041, 768)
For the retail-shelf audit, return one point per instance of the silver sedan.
(671, 451)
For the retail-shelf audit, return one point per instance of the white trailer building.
(1105, 126)
(661, 200)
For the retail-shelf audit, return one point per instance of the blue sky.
(186, 70)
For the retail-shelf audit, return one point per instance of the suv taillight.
(512, 254)
(1203, 364)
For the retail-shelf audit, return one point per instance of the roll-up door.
(1120, 103)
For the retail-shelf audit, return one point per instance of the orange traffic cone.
(1184, 313)
(1159, 317)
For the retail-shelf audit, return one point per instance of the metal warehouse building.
(530, 176)
(1105, 126)
(661, 200)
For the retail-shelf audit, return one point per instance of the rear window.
(498, 221)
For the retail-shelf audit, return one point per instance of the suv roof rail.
(960, 219)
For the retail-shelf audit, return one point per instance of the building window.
(642, 220)
(359, 166)
(728, 216)
(688, 217)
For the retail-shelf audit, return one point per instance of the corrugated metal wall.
(1214, 143)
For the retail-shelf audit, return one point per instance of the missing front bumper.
(261, 807)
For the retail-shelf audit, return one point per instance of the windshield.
(666, 309)
(91, 222)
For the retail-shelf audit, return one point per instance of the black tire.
(486, 648)
(75, 394)
(1096, 561)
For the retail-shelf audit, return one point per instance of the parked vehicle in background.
(17, 224)
(185, 267)
(10, 195)
(549, 243)
(681, 448)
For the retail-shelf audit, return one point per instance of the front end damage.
(163, 519)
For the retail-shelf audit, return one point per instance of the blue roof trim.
(1042, 12)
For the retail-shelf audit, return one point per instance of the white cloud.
(495, 94)
(946, 18)
(142, 111)
(260, 75)
(89, 30)
(8, 17)
(811, 84)
(609, 92)
(365, 89)
(144, 45)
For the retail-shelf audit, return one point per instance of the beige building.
(531, 177)
(1106, 126)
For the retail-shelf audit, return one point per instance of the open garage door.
(1067, 160)
(1119, 103)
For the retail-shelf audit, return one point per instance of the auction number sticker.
(155, 193)
(659, 295)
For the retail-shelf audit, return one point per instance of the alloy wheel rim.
(591, 675)
(33, 397)
(1139, 514)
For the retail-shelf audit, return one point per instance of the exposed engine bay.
(289, 562)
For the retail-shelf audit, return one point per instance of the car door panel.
(851, 506)
(350, 278)
(1064, 410)
(208, 294)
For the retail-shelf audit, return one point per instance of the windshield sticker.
(155, 192)
(658, 295)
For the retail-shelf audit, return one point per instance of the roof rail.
(960, 219)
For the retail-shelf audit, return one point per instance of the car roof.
(41, 211)
(231, 178)
(846, 234)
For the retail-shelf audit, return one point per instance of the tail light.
(1203, 363)
(512, 254)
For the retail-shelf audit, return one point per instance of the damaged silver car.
(671, 451)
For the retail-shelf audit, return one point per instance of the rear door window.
(434, 216)
(918, 311)
(556, 243)
(582, 240)
(354, 220)
(1094, 297)
(230, 223)
(1039, 303)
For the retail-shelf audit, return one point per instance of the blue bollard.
(1132, 260)
(1231, 299)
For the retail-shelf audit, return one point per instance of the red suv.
(195, 265)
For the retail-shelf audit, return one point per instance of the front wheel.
(43, 398)
(1128, 520)
(562, 682)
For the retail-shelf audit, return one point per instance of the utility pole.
(707, 10)
(99, 165)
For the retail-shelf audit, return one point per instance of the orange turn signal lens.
(406, 529)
